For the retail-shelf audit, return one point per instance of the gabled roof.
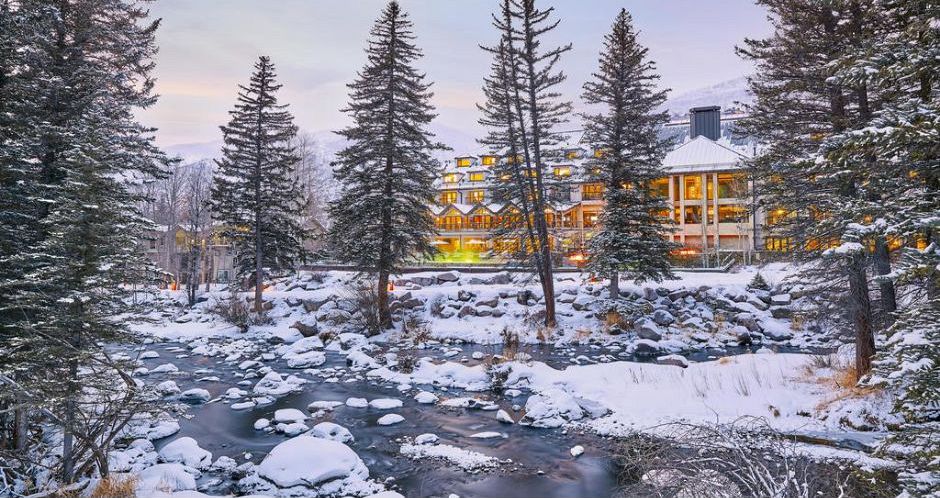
(702, 154)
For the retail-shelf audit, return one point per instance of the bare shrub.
(318, 276)
(365, 299)
(407, 360)
(742, 458)
(416, 329)
(511, 343)
(115, 486)
(234, 310)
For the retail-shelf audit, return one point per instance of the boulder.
(663, 317)
(646, 347)
(647, 329)
(447, 276)
(673, 359)
(781, 312)
(466, 311)
(492, 303)
(525, 296)
(195, 396)
(678, 294)
(780, 299)
(313, 305)
(186, 450)
(306, 329)
(501, 278)
(411, 303)
(308, 461)
(332, 432)
(464, 296)
(424, 281)
(582, 303)
(748, 320)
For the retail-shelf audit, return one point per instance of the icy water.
(541, 464)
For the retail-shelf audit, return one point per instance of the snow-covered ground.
(589, 380)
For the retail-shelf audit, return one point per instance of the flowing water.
(541, 464)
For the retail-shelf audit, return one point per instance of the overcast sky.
(208, 46)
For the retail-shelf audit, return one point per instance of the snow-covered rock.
(390, 419)
(426, 398)
(385, 403)
(333, 432)
(309, 461)
(289, 415)
(167, 477)
(195, 396)
(186, 450)
(357, 402)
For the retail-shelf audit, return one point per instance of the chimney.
(705, 121)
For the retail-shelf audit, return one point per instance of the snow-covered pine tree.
(254, 195)
(513, 185)
(387, 171)
(903, 63)
(633, 238)
(798, 108)
(532, 78)
(85, 69)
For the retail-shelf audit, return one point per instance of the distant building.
(710, 195)
(169, 248)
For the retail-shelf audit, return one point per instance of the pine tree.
(634, 234)
(387, 171)
(83, 69)
(902, 62)
(800, 111)
(254, 195)
(525, 80)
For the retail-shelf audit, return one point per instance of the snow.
(465, 459)
(333, 432)
(642, 395)
(308, 461)
(186, 450)
(357, 402)
(165, 477)
(426, 398)
(576, 451)
(289, 415)
(385, 403)
(390, 419)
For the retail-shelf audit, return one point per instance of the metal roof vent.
(705, 121)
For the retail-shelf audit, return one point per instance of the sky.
(207, 47)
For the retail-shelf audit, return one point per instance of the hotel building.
(704, 180)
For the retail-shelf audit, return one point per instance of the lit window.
(477, 176)
(693, 187)
(451, 178)
(514, 160)
(562, 171)
(660, 187)
(448, 197)
(592, 192)
(590, 220)
(475, 196)
(463, 162)
(598, 153)
(732, 186)
(573, 154)
(693, 215)
(775, 216)
(489, 160)
(732, 214)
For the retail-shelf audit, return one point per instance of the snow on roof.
(702, 154)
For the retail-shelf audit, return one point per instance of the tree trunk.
(882, 259)
(614, 288)
(860, 312)
(68, 437)
(20, 426)
(385, 314)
